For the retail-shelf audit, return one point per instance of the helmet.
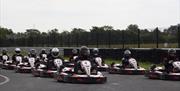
(127, 53)
(25, 57)
(17, 50)
(84, 51)
(95, 51)
(55, 52)
(50, 50)
(4, 51)
(32, 51)
(43, 50)
(172, 52)
(75, 51)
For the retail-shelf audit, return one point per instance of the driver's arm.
(165, 60)
(0, 57)
(13, 58)
(8, 57)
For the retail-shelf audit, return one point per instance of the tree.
(5, 35)
(77, 36)
(33, 37)
(132, 27)
(54, 37)
(103, 35)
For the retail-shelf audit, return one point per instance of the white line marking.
(6, 80)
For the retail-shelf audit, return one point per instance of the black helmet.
(50, 50)
(4, 51)
(32, 51)
(127, 53)
(84, 51)
(95, 50)
(75, 51)
(43, 50)
(55, 52)
(171, 52)
(17, 50)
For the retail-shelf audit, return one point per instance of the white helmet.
(75, 51)
(172, 51)
(127, 52)
(95, 50)
(55, 52)
(17, 50)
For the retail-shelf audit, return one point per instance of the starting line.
(6, 79)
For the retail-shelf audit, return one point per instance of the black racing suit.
(168, 63)
(14, 58)
(1, 57)
(81, 58)
(125, 62)
(32, 55)
(51, 65)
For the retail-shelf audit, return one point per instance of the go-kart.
(43, 71)
(85, 75)
(25, 67)
(131, 69)
(68, 63)
(100, 65)
(9, 64)
(159, 73)
(4, 58)
(1, 63)
(44, 56)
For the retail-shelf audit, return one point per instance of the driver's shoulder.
(59, 57)
(177, 59)
(132, 58)
(122, 58)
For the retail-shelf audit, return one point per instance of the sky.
(45, 15)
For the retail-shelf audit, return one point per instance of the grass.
(23, 52)
(144, 64)
(147, 64)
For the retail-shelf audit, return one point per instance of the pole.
(109, 39)
(123, 39)
(178, 34)
(157, 37)
(87, 43)
(139, 38)
(77, 39)
(97, 39)
(68, 36)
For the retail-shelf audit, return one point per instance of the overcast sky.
(67, 14)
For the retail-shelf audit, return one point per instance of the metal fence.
(107, 39)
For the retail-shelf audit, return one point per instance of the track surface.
(26, 82)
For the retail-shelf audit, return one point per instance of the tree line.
(104, 35)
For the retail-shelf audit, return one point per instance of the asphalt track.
(26, 82)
